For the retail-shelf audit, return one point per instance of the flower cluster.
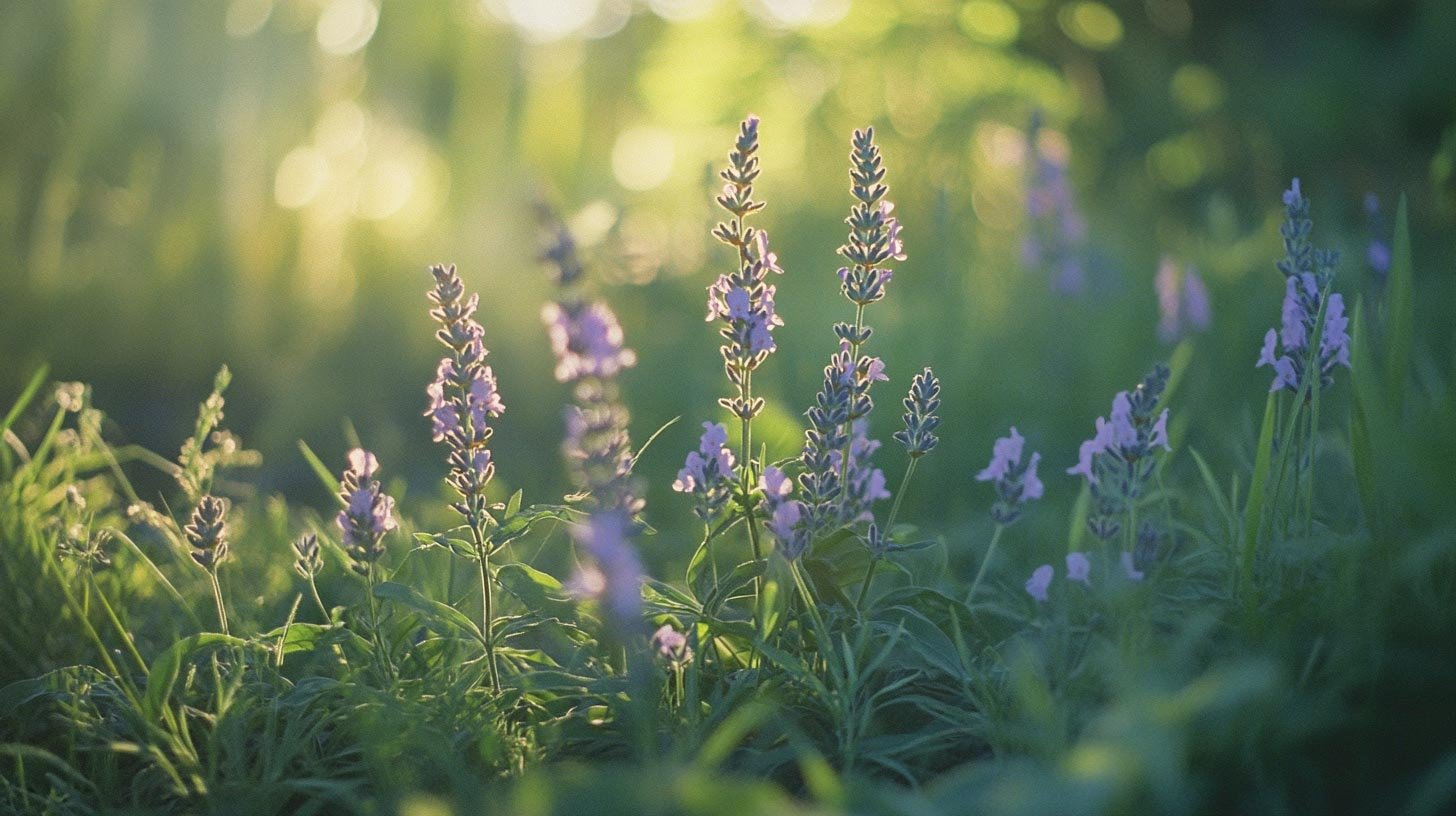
(743, 299)
(1057, 231)
(1182, 301)
(920, 418)
(783, 514)
(206, 532)
(708, 472)
(1079, 570)
(1308, 274)
(1119, 460)
(463, 397)
(836, 490)
(368, 513)
(310, 560)
(874, 234)
(1015, 483)
(587, 341)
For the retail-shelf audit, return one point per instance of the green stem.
(864, 588)
(487, 615)
(217, 597)
(116, 624)
(990, 553)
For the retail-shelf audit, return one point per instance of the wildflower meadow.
(711, 407)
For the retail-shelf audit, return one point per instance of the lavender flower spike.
(463, 397)
(1119, 460)
(920, 418)
(206, 532)
(368, 513)
(1015, 484)
(1309, 275)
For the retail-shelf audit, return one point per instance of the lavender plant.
(839, 485)
(1120, 460)
(1313, 339)
(587, 342)
(1016, 484)
(464, 399)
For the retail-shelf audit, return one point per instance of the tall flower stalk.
(463, 400)
(1311, 341)
(1016, 484)
(838, 483)
(588, 344)
(368, 516)
(742, 301)
(918, 438)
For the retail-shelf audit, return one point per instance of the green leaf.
(539, 592)
(513, 506)
(327, 479)
(518, 524)
(24, 399)
(308, 637)
(436, 615)
(1400, 305)
(1364, 408)
(1220, 501)
(1254, 510)
(162, 676)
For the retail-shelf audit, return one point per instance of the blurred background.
(262, 183)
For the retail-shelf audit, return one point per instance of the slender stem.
(313, 590)
(116, 624)
(374, 621)
(864, 587)
(217, 597)
(487, 615)
(900, 494)
(990, 553)
(859, 309)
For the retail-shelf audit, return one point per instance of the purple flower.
(463, 397)
(368, 513)
(1129, 568)
(1040, 581)
(1005, 454)
(672, 645)
(587, 341)
(1159, 435)
(206, 532)
(1309, 275)
(1032, 488)
(1015, 484)
(1119, 460)
(707, 472)
(1079, 568)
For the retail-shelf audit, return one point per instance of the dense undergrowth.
(1278, 638)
